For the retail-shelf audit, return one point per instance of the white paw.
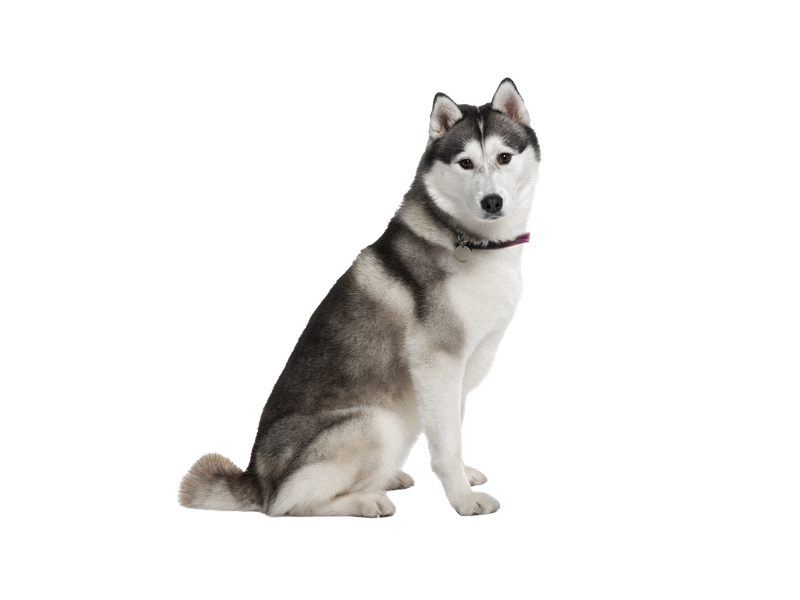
(474, 476)
(371, 505)
(386, 508)
(400, 481)
(476, 503)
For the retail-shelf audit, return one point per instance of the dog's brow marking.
(480, 126)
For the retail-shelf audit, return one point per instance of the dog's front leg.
(438, 382)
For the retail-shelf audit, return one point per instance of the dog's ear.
(508, 101)
(444, 115)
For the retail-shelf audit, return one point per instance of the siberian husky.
(402, 337)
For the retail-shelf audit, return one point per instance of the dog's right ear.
(444, 115)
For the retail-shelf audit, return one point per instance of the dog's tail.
(215, 483)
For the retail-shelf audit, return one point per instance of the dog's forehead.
(511, 133)
(477, 125)
(455, 141)
(475, 147)
(490, 145)
(494, 144)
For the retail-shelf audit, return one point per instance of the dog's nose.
(492, 203)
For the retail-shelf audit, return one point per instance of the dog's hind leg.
(346, 469)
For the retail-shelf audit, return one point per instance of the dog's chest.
(485, 291)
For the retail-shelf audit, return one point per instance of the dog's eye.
(504, 158)
(466, 163)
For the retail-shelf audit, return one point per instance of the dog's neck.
(465, 238)
(523, 238)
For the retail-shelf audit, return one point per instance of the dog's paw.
(384, 507)
(474, 476)
(400, 481)
(476, 503)
(371, 505)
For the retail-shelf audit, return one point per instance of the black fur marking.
(425, 273)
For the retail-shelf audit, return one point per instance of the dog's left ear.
(508, 101)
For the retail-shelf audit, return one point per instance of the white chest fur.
(485, 292)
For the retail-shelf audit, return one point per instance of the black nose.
(492, 203)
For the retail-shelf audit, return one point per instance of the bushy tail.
(215, 483)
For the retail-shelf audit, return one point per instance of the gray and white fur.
(401, 338)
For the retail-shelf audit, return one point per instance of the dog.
(402, 337)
